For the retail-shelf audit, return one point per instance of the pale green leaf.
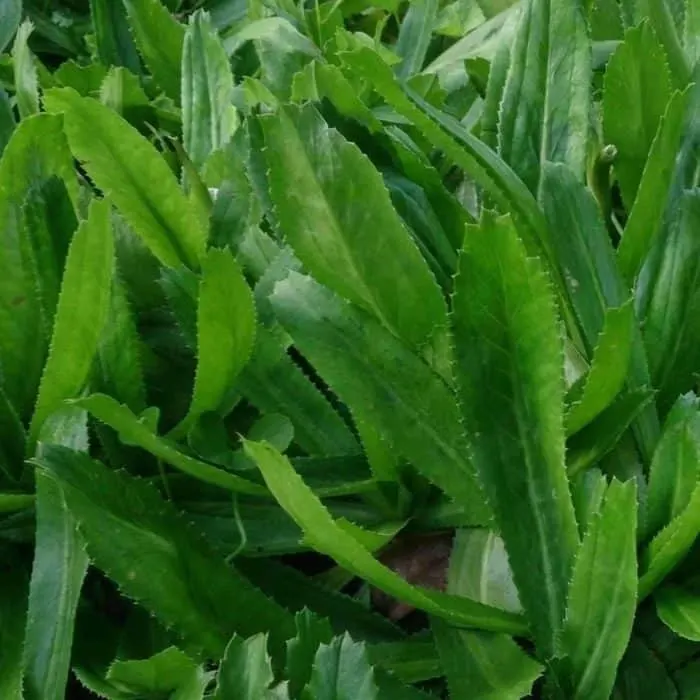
(325, 535)
(414, 37)
(342, 671)
(603, 597)
(137, 432)
(544, 112)
(225, 333)
(208, 116)
(246, 670)
(163, 672)
(332, 231)
(10, 17)
(60, 564)
(82, 310)
(645, 217)
(509, 369)
(637, 91)
(127, 167)
(609, 368)
(141, 542)
(26, 80)
(159, 38)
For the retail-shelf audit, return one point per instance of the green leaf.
(603, 596)
(383, 382)
(26, 80)
(160, 39)
(7, 120)
(208, 116)
(226, 333)
(544, 112)
(121, 91)
(118, 368)
(637, 91)
(60, 564)
(509, 368)
(342, 672)
(36, 152)
(10, 17)
(327, 537)
(80, 315)
(312, 631)
(670, 546)
(642, 675)
(609, 368)
(650, 202)
(164, 672)
(129, 169)
(679, 609)
(676, 465)
(135, 431)
(142, 543)
(600, 437)
(662, 20)
(115, 46)
(13, 605)
(414, 37)
(670, 293)
(331, 230)
(246, 670)
(464, 150)
(483, 665)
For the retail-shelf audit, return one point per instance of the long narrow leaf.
(509, 365)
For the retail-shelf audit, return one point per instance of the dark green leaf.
(128, 168)
(312, 631)
(60, 564)
(81, 313)
(141, 542)
(115, 46)
(670, 546)
(246, 670)
(509, 369)
(544, 112)
(608, 371)
(603, 596)
(331, 230)
(383, 382)
(160, 39)
(601, 436)
(671, 294)
(13, 605)
(676, 465)
(643, 675)
(208, 116)
(637, 91)
(36, 152)
(7, 120)
(650, 202)
(679, 608)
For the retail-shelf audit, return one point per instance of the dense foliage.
(301, 299)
